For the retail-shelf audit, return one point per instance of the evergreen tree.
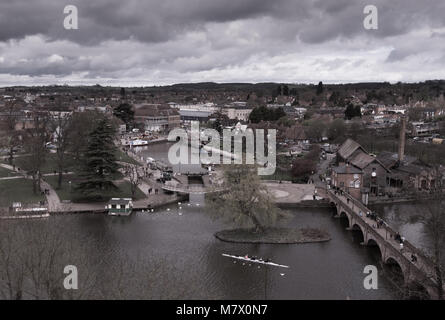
(99, 161)
(285, 90)
(266, 114)
(352, 111)
(277, 114)
(320, 88)
(124, 112)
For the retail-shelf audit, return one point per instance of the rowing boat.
(255, 260)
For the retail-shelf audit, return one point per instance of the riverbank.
(99, 208)
(274, 236)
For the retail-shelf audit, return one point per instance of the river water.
(182, 259)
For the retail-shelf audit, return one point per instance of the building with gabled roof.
(374, 171)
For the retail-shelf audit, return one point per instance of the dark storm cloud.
(153, 20)
(190, 39)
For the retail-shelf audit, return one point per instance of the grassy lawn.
(64, 193)
(7, 173)
(17, 190)
(50, 163)
(121, 156)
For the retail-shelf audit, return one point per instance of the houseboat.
(120, 207)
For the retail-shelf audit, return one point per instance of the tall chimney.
(402, 138)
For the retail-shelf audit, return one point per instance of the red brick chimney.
(402, 138)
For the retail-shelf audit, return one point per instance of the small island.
(248, 205)
(274, 236)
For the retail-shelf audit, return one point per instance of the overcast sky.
(156, 42)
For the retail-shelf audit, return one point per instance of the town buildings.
(157, 117)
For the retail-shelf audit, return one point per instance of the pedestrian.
(401, 246)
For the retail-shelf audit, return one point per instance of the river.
(174, 253)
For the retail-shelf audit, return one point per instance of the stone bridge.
(419, 273)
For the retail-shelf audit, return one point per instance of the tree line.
(82, 141)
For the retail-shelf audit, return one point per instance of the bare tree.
(246, 200)
(82, 123)
(434, 225)
(61, 126)
(10, 139)
(34, 142)
(33, 256)
(433, 220)
(133, 175)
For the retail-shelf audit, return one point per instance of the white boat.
(255, 260)
(138, 143)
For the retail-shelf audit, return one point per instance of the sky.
(160, 42)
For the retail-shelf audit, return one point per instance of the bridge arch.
(357, 227)
(393, 262)
(344, 216)
(334, 208)
(375, 244)
(398, 269)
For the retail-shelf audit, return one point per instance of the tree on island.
(246, 201)
(98, 163)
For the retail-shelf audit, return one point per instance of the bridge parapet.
(421, 271)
